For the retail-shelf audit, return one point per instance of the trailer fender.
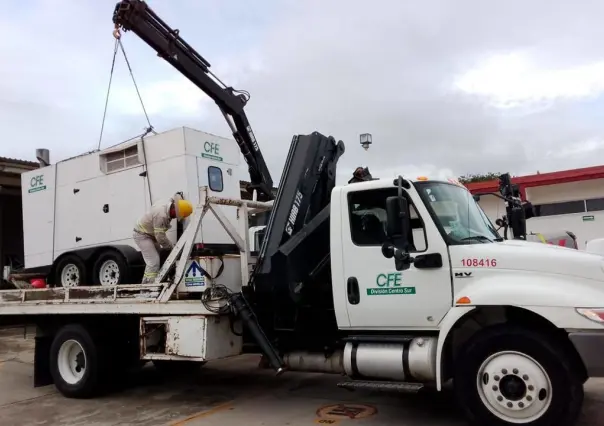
(132, 256)
(89, 255)
(445, 326)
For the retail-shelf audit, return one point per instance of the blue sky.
(444, 87)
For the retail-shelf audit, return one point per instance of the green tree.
(471, 178)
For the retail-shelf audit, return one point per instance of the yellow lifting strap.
(541, 237)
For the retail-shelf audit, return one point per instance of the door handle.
(352, 286)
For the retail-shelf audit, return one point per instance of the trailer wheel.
(75, 362)
(508, 375)
(70, 272)
(110, 268)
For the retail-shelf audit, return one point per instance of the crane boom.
(138, 17)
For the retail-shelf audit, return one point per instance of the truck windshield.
(456, 213)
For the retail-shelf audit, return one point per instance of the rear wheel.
(75, 362)
(110, 268)
(508, 375)
(70, 271)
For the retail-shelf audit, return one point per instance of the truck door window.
(367, 212)
(215, 179)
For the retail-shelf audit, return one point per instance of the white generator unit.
(79, 214)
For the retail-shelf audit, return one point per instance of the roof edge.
(543, 179)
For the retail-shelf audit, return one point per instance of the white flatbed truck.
(517, 325)
(395, 284)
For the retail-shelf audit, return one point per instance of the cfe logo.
(211, 151)
(391, 283)
(393, 279)
(36, 184)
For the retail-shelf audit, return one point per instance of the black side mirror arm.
(402, 259)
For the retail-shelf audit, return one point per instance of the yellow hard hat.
(183, 208)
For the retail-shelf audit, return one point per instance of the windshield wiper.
(477, 238)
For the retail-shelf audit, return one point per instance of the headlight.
(594, 314)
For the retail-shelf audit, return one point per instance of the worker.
(150, 233)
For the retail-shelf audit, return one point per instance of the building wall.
(572, 191)
(577, 207)
(576, 223)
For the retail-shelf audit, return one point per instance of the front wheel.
(508, 375)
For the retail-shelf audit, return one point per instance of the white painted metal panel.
(165, 145)
(205, 150)
(212, 231)
(79, 168)
(211, 147)
(194, 337)
(195, 281)
(80, 220)
(128, 193)
(186, 337)
(220, 342)
(37, 190)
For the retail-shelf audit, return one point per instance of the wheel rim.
(71, 361)
(109, 273)
(514, 387)
(70, 276)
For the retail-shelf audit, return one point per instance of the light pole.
(365, 139)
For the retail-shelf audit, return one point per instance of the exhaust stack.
(43, 156)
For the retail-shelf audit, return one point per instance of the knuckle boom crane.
(290, 294)
(138, 17)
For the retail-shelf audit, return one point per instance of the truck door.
(417, 297)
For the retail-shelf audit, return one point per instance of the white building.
(569, 200)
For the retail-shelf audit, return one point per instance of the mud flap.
(42, 375)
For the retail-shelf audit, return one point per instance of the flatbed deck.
(124, 299)
(158, 298)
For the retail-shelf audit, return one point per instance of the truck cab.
(517, 325)
(456, 257)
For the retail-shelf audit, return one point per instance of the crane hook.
(116, 33)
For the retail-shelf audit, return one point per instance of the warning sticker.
(345, 411)
(194, 276)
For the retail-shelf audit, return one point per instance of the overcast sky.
(445, 87)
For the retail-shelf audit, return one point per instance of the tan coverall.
(150, 232)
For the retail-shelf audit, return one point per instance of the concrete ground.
(227, 393)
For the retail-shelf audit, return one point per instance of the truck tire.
(70, 271)
(75, 362)
(110, 268)
(509, 375)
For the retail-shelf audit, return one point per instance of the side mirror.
(518, 222)
(397, 218)
(398, 224)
